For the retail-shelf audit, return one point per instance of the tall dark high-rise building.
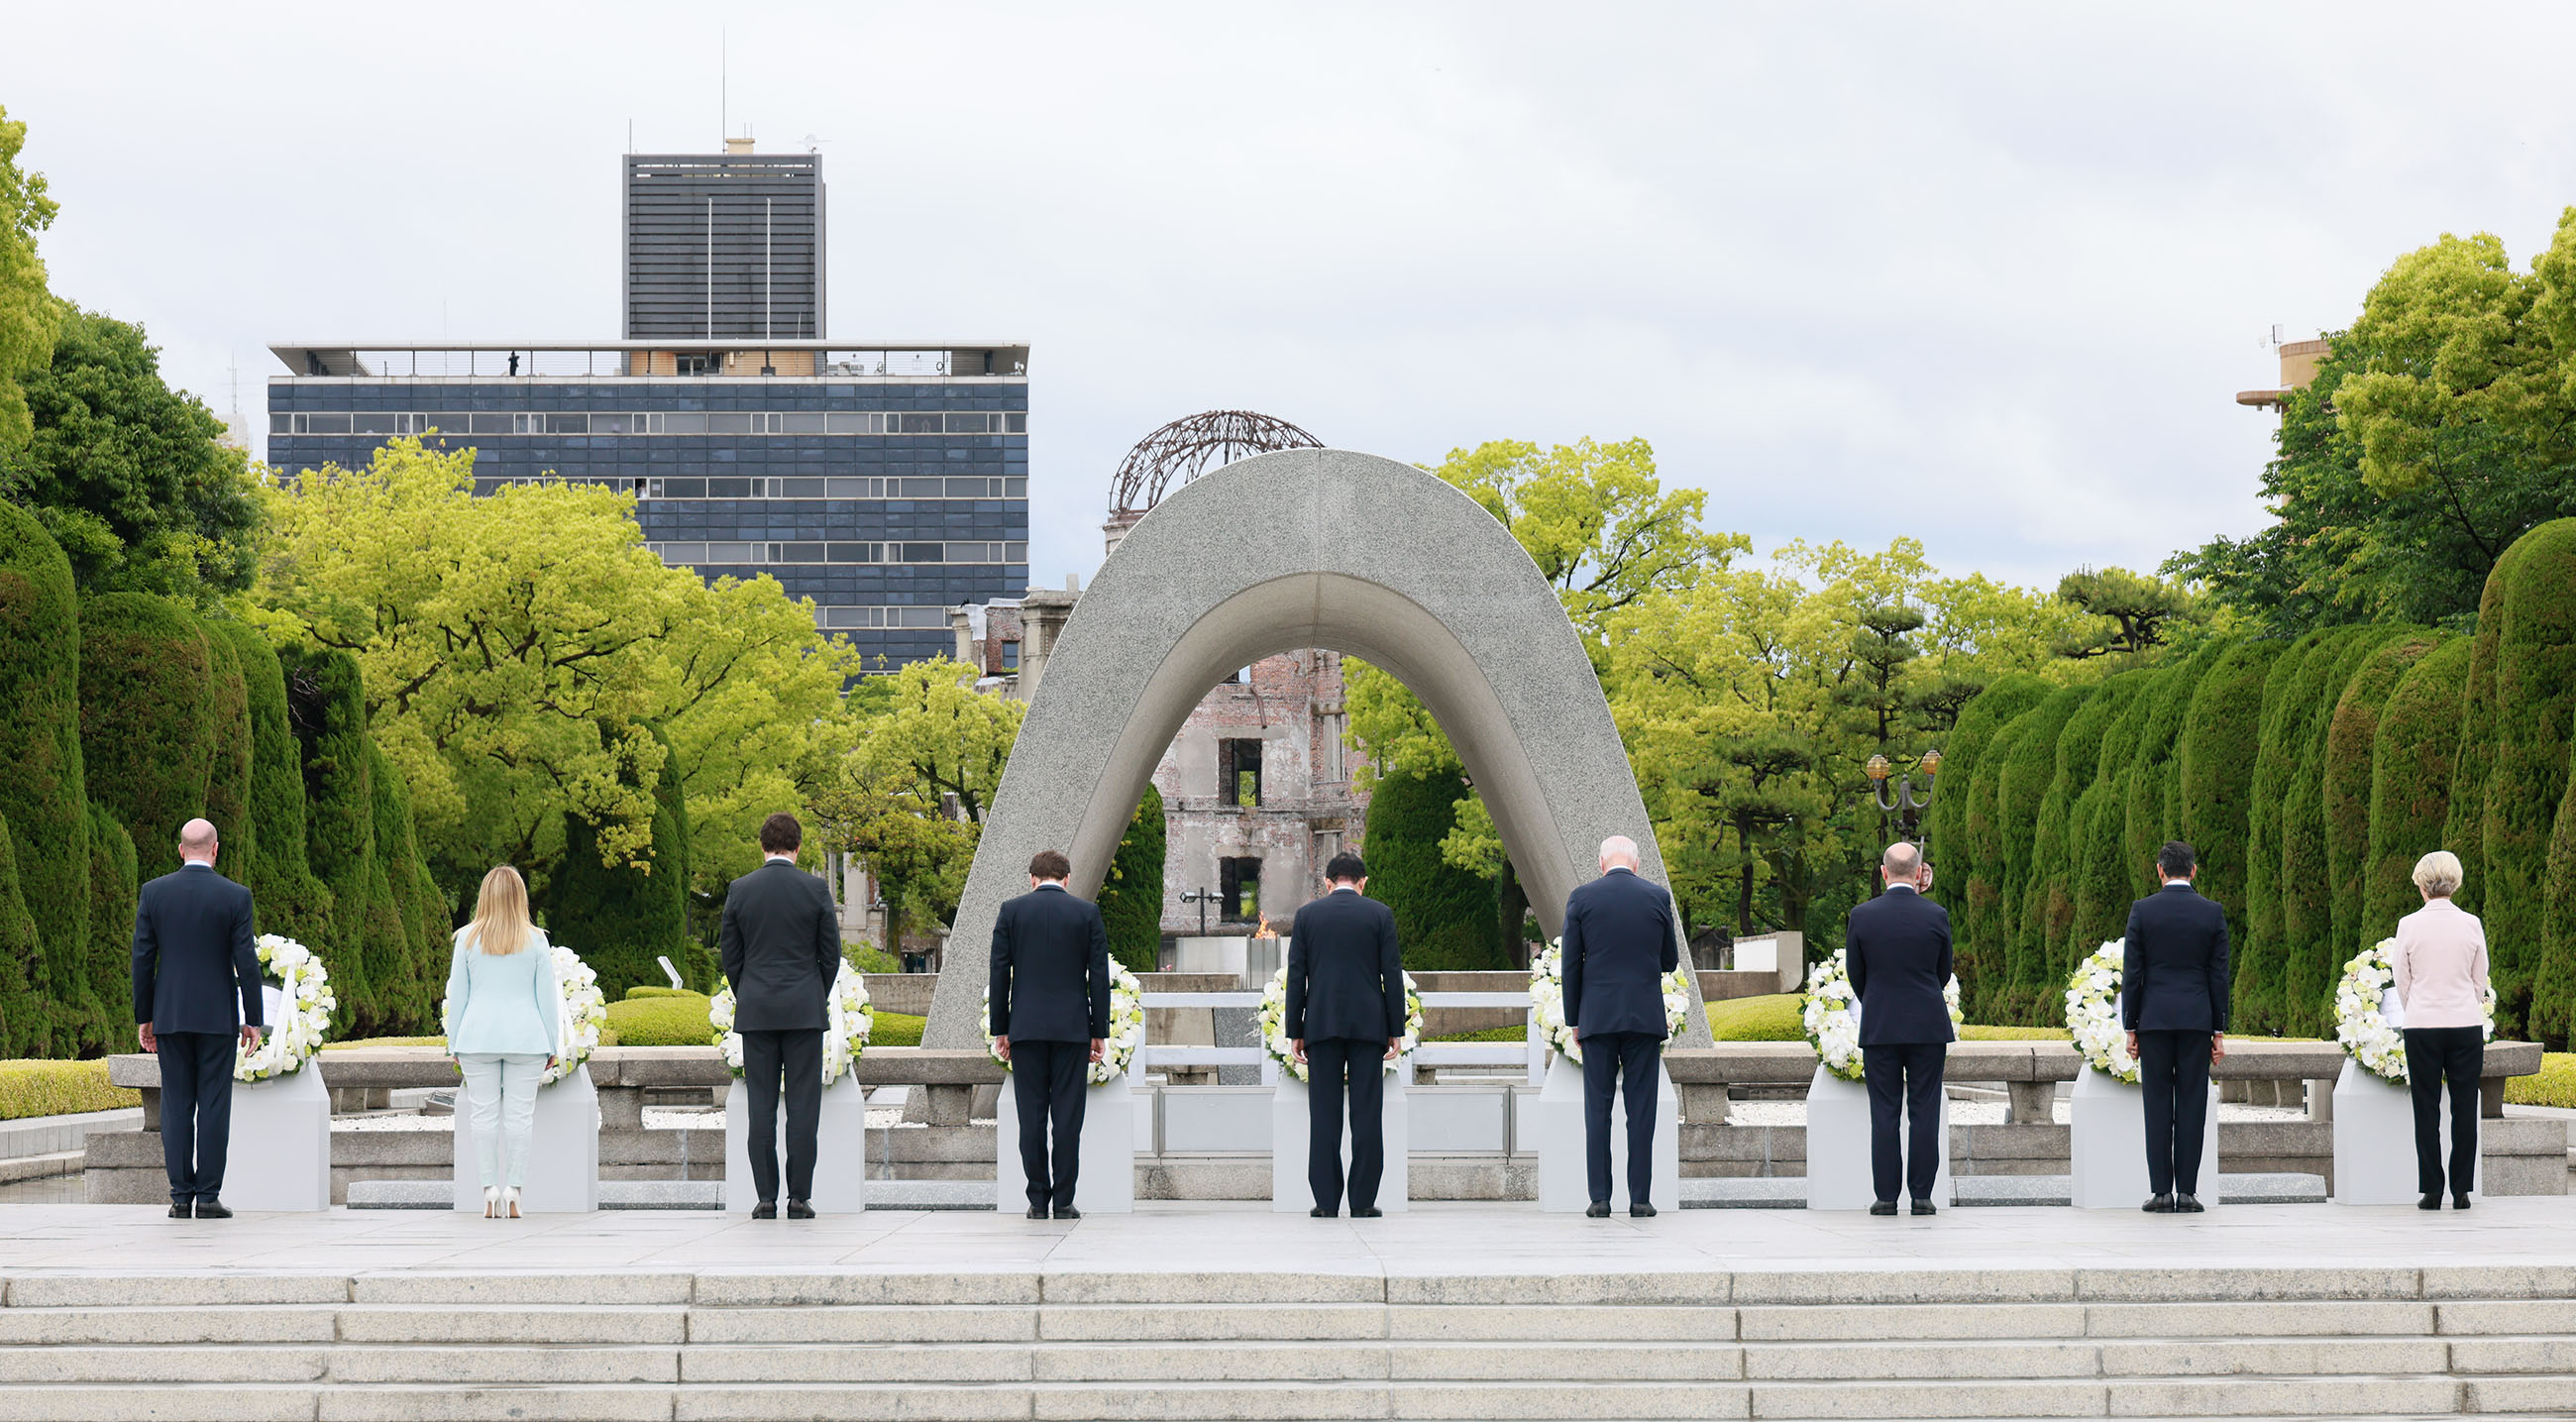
(725, 246)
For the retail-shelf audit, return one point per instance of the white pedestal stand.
(279, 1157)
(2107, 1139)
(1290, 1130)
(1106, 1184)
(840, 1150)
(563, 1151)
(1564, 1184)
(2374, 1140)
(1839, 1175)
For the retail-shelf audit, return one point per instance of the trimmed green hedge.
(2258, 959)
(1970, 836)
(677, 1020)
(2465, 833)
(326, 706)
(2555, 1085)
(1444, 915)
(289, 900)
(2411, 763)
(1974, 1033)
(2216, 773)
(2153, 812)
(356, 1043)
(25, 1023)
(2058, 843)
(1771, 1017)
(1131, 894)
(147, 719)
(897, 1029)
(50, 1088)
(621, 917)
(114, 888)
(2099, 824)
(2306, 882)
(2028, 771)
(43, 793)
(228, 760)
(2535, 671)
(2352, 748)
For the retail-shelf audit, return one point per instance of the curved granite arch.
(1307, 548)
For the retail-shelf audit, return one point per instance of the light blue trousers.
(501, 1091)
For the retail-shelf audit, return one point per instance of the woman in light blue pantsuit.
(503, 1030)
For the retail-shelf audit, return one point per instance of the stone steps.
(2278, 1343)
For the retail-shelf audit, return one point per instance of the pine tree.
(1967, 843)
(2535, 704)
(2352, 745)
(2220, 734)
(1444, 915)
(2412, 759)
(2027, 774)
(1131, 897)
(43, 791)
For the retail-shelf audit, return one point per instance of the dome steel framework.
(1184, 449)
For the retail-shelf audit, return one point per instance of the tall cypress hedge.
(147, 720)
(620, 918)
(2352, 749)
(1444, 915)
(43, 792)
(2220, 734)
(2466, 832)
(408, 986)
(1131, 894)
(2306, 881)
(326, 706)
(2056, 840)
(2257, 957)
(284, 894)
(1966, 839)
(2152, 812)
(2535, 703)
(2101, 819)
(2027, 773)
(2411, 764)
(2554, 986)
(228, 765)
(26, 1021)
(114, 886)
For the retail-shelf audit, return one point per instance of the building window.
(1239, 885)
(697, 364)
(1010, 656)
(1238, 773)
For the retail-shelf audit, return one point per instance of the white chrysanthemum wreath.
(2093, 1012)
(1274, 1023)
(1830, 1011)
(303, 1015)
(1547, 1000)
(2361, 1021)
(581, 1014)
(1126, 1024)
(848, 1021)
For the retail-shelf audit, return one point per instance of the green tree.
(284, 893)
(28, 313)
(43, 790)
(2220, 738)
(620, 916)
(1444, 915)
(2535, 703)
(1131, 895)
(2412, 760)
(126, 473)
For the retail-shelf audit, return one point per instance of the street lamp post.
(1904, 808)
(1203, 898)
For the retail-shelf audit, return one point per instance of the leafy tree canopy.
(28, 315)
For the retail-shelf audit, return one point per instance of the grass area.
(659, 1017)
(1772, 1017)
(2554, 1086)
(38, 1088)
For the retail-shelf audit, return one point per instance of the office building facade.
(724, 246)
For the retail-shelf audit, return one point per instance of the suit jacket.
(1345, 974)
(1050, 968)
(1897, 949)
(2174, 976)
(195, 967)
(1618, 946)
(781, 945)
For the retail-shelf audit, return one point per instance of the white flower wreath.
(2093, 1012)
(581, 1013)
(848, 1021)
(303, 1014)
(1274, 1023)
(1831, 1012)
(1126, 1024)
(2361, 1017)
(1547, 1000)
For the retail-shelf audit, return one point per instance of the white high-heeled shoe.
(510, 1201)
(491, 1202)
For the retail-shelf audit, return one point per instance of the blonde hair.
(2438, 874)
(501, 925)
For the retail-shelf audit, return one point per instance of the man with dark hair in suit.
(196, 1000)
(781, 946)
(2173, 1001)
(1050, 1005)
(1618, 945)
(1896, 947)
(1345, 1021)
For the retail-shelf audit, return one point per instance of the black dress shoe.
(1067, 1212)
(2431, 1201)
(1037, 1212)
(2159, 1205)
(1319, 1212)
(765, 1210)
(211, 1208)
(799, 1210)
(1883, 1207)
(2459, 1202)
(2186, 1203)
(1925, 1207)
(181, 1211)
(1372, 1212)
(1640, 1210)
(1598, 1209)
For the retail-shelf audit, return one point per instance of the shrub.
(641, 994)
(2101, 877)
(2306, 882)
(2027, 773)
(43, 795)
(2057, 841)
(2554, 1085)
(49, 1088)
(1131, 895)
(284, 893)
(1974, 1033)
(1965, 837)
(621, 917)
(1770, 1017)
(228, 759)
(659, 1021)
(863, 958)
(897, 1029)
(1444, 915)
(2257, 955)
(2352, 743)
(25, 1021)
(2216, 760)
(2152, 812)
(406, 991)
(2466, 832)
(114, 887)
(147, 720)
(2412, 758)
(2535, 696)
(326, 707)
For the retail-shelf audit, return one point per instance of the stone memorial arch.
(1307, 548)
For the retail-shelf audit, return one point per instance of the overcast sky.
(1989, 276)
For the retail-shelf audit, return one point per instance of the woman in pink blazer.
(2441, 965)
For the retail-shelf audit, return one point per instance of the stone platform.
(1234, 1312)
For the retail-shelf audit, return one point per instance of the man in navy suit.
(196, 998)
(1345, 1021)
(779, 943)
(2173, 1000)
(1050, 995)
(1619, 943)
(1896, 948)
